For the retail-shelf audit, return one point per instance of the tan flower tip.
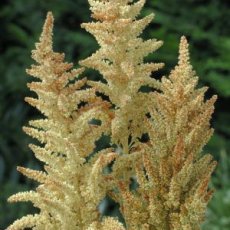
(184, 51)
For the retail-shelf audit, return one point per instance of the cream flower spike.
(68, 140)
(170, 169)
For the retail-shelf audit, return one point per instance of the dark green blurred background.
(205, 23)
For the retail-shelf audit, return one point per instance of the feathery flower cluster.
(171, 174)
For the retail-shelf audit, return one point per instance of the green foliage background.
(205, 23)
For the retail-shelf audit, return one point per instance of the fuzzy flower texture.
(169, 169)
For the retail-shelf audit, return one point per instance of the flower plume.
(160, 183)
